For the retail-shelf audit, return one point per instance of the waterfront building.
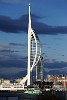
(59, 81)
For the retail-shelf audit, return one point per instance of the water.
(9, 98)
(48, 95)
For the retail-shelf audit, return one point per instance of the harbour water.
(46, 95)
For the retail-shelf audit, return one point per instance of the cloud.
(42, 28)
(4, 46)
(13, 63)
(8, 51)
(58, 71)
(10, 1)
(17, 44)
(12, 70)
(54, 67)
(13, 66)
(10, 56)
(9, 25)
(54, 64)
(20, 25)
(12, 51)
(12, 73)
(16, 66)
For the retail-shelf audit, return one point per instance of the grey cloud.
(8, 51)
(58, 71)
(21, 25)
(19, 65)
(55, 64)
(13, 62)
(54, 67)
(12, 73)
(17, 44)
(13, 66)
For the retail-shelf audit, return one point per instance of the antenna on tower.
(29, 17)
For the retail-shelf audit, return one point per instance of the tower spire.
(29, 17)
(29, 46)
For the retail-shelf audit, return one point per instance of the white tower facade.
(29, 47)
(34, 53)
(34, 50)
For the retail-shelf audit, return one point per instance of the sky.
(49, 21)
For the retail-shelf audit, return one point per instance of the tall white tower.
(34, 53)
(34, 50)
(29, 47)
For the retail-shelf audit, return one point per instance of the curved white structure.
(34, 52)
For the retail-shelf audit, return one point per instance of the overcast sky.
(49, 21)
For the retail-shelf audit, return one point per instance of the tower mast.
(29, 46)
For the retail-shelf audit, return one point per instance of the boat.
(33, 91)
